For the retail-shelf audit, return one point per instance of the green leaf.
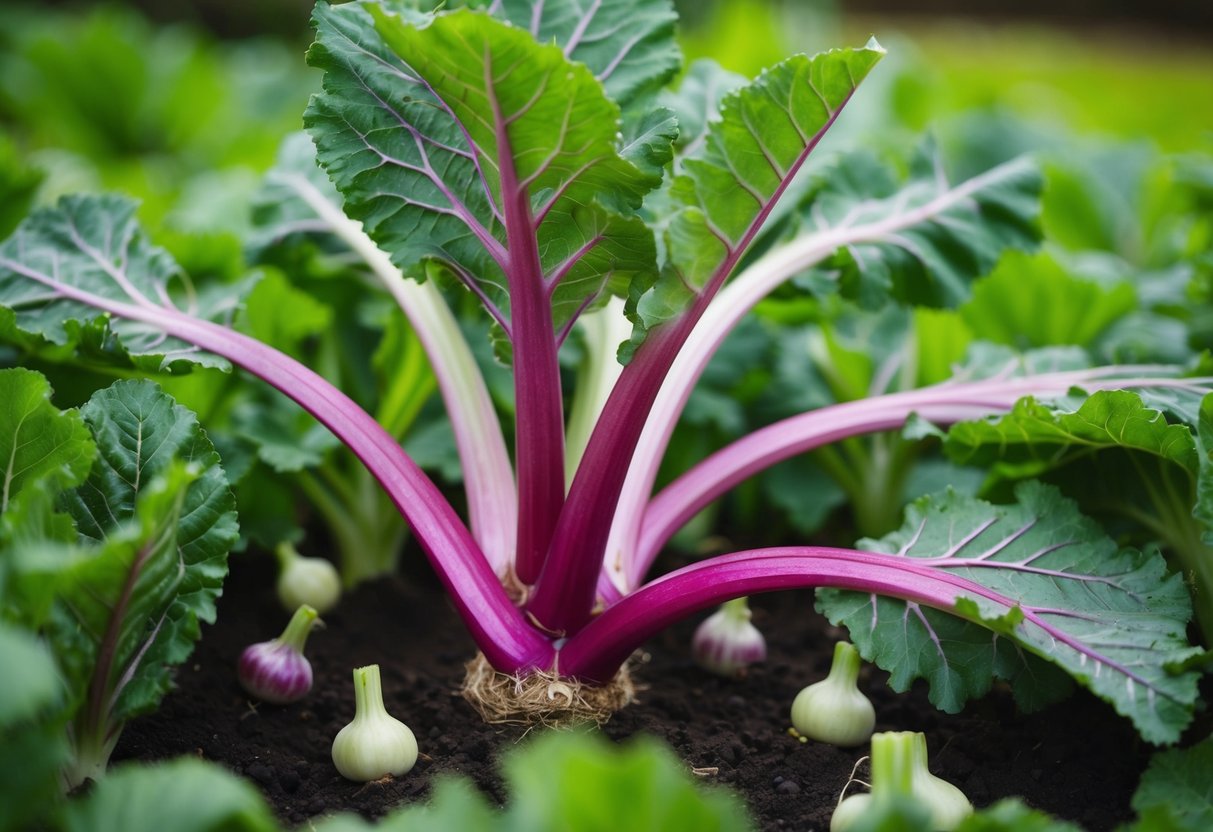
(628, 45)
(564, 780)
(1031, 301)
(648, 140)
(697, 101)
(286, 438)
(425, 120)
(1179, 781)
(1035, 436)
(1111, 618)
(142, 435)
(455, 804)
(1204, 481)
(965, 228)
(37, 440)
(91, 247)
(730, 182)
(155, 520)
(183, 795)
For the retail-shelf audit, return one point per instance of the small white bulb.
(375, 744)
(302, 580)
(834, 710)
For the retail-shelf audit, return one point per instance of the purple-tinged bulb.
(276, 671)
(726, 643)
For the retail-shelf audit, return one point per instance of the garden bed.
(1077, 760)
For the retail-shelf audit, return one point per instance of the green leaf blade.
(1113, 620)
(86, 253)
(1040, 434)
(733, 177)
(437, 128)
(37, 440)
(629, 46)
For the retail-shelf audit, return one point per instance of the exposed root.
(543, 698)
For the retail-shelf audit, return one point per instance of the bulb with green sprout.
(834, 710)
(304, 580)
(375, 744)
(899, 772)
(276, 671)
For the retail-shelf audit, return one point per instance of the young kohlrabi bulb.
(375, 744)
(276, 671)
(311, 581)
(899, 772)
(726, 643)
(833, 710)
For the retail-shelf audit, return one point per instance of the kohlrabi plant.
(531, 154)
(115, 525)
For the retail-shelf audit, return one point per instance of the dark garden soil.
(1077, 760)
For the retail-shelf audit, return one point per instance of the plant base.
(543, 698)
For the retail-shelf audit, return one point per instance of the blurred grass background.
(183, 103)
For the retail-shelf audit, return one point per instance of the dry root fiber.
(543, 698)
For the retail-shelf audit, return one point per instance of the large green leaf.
(37, 440)
(579, 781)
(142, 435)
(1110, 618)
(959, 235)
(184, 795)
(628, 45)
(440, 129)
(155, 520)
(91, 247)
(729, 183)
(764, 132)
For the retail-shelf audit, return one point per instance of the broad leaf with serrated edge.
(1041, 436)
(730, 183)
(144, 437)
(457, 137)
(88, 247)
(628, 45)
(1111, 618)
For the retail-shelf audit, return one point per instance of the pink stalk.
(564, 594)
(497, 626)
(942, 404)
(602, 646)
(539, 420)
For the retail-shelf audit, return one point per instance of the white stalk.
(604, 329)
(487, 472)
